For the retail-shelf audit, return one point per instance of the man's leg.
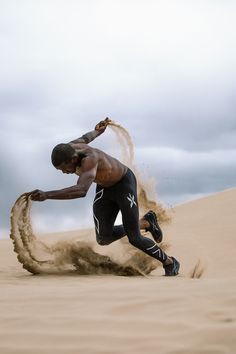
(126, 197)
(105, 212)
(130, 217)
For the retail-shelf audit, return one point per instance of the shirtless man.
(116, 191)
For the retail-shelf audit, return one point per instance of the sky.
(163, 69)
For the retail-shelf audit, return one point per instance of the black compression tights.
(122, 197)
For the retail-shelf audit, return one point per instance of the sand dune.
(204, 230)
(115, 314)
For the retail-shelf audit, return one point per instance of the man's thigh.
(104, 212)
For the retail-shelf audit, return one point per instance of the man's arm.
(90, 136)
(87, 177)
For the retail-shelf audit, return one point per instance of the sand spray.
(146, 184)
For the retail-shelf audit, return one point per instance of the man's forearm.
(87, 138)
(66, 193)
(90, 136)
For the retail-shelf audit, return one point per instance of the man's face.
(68, 167)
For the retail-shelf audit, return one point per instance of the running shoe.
(172, 269)
(154, 228)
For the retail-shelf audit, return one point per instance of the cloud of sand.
(76, 256)
(66, 256)
(146, 185)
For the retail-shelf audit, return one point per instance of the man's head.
(64, 158)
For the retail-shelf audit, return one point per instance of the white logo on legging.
(98, 196)
(131, 200)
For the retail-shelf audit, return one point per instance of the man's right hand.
(101, 126)
(38, 195)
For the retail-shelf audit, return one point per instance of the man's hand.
(38, 195)
(101, 126)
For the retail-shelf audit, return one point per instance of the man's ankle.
(168, 261)
(144, 224)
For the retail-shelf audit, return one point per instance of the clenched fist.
(101, 126)
(38, 195)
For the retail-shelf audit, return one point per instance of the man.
(116, 191)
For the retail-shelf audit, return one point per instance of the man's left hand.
(38, 195)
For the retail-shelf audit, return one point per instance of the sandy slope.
(109, 314)
(205, 229)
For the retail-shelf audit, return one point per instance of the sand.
(69, 256)
(71, 313)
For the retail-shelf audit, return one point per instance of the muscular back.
(109, 170)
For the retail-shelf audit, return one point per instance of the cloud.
(184, 175)
(164, 70)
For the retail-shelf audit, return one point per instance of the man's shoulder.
(83, 148)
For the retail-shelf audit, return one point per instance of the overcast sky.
(164, 69)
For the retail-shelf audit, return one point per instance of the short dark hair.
(62, 153)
